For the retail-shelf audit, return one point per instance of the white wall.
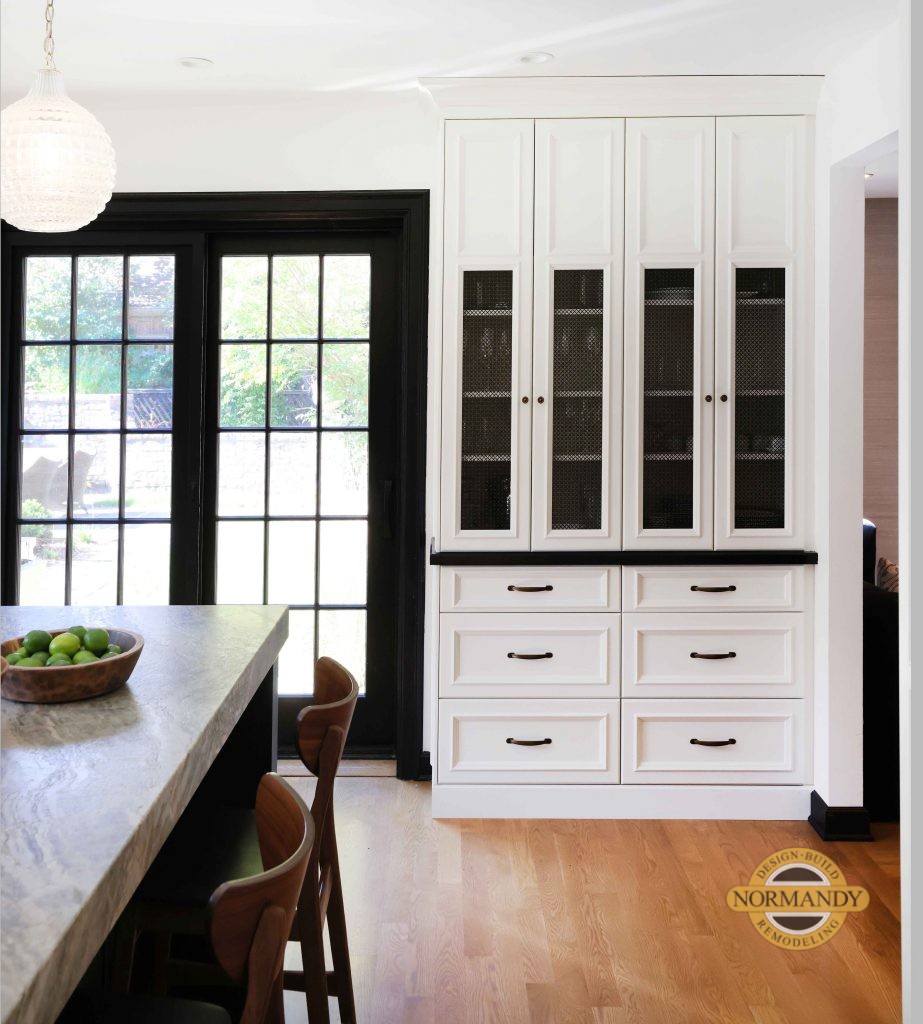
(910, 481)
(857, 119)
(862, 95)
(322, 141)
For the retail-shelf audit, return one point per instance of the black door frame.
(404, 214)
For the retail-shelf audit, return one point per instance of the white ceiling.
(883, 183)
(289, 47)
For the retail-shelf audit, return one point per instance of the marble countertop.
(90, 790)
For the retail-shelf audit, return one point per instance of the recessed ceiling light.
(536, 58)
(870, 174)
(196, 62)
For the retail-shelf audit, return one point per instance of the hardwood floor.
(591, 922)
(348, 766)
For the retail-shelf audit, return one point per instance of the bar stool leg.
(311, 929)
(336, 925)
(339, 947)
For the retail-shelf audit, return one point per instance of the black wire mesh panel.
(486, 414)
(668, 382)
(577, 407)
(759, 401)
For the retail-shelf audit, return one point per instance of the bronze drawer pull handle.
(530, 657)
(711, 743)
(714, 590)
(529, 590)
(529, 743)
(714, 657)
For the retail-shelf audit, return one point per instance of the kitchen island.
(90, 790)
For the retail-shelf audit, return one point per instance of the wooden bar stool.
(322, 728)
(173, 897)
(249, 921)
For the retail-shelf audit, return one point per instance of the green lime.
(65, 643)
(36, 640)
(114, 649)
(107, 654)
(83, 658)
(96, 640)
(57, 661)
(30, 662)
(78, 631)
(41, 656)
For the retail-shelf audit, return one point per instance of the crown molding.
(658, 96)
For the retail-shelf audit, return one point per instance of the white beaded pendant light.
(56, 160)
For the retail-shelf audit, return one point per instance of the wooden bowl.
(69, 682)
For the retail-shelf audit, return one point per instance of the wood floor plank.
(591, 922)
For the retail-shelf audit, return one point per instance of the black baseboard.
(425, 771)
(839, 824)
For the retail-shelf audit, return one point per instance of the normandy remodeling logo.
(797, 899)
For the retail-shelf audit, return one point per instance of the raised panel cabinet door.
(697, 654)
(577, 348)
(487, 335)
(559, 588)
(520, 742)
(715, 742)
(715, 589)
(669, 354)
(529, 654)
(762, 331)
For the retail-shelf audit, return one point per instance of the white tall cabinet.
(624, 602)
(669, 317)
(577, 334)
(532, 320)
(487, 318)
(762, 328)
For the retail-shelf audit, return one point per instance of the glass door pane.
(486, 399)
(95, 434)
(293, 451)
(577, 401)
(668, 377)
(759, 399)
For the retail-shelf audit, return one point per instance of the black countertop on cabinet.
(772, 557)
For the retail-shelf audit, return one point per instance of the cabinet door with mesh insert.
(759, 399)
(669, 333)
(487, 336)
(763, 343)
(486, 400)
(577, 337)
(672, 463)
(573, 452)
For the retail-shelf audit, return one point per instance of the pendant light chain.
(48, 45)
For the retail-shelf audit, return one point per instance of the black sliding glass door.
(305, 455)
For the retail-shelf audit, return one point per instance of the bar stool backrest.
(335, 695)
(250, 918)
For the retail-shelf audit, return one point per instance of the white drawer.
(529, 588)
(564, 742)
(709, 588)
(536, 655)
(700, 655)
(768, 742)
